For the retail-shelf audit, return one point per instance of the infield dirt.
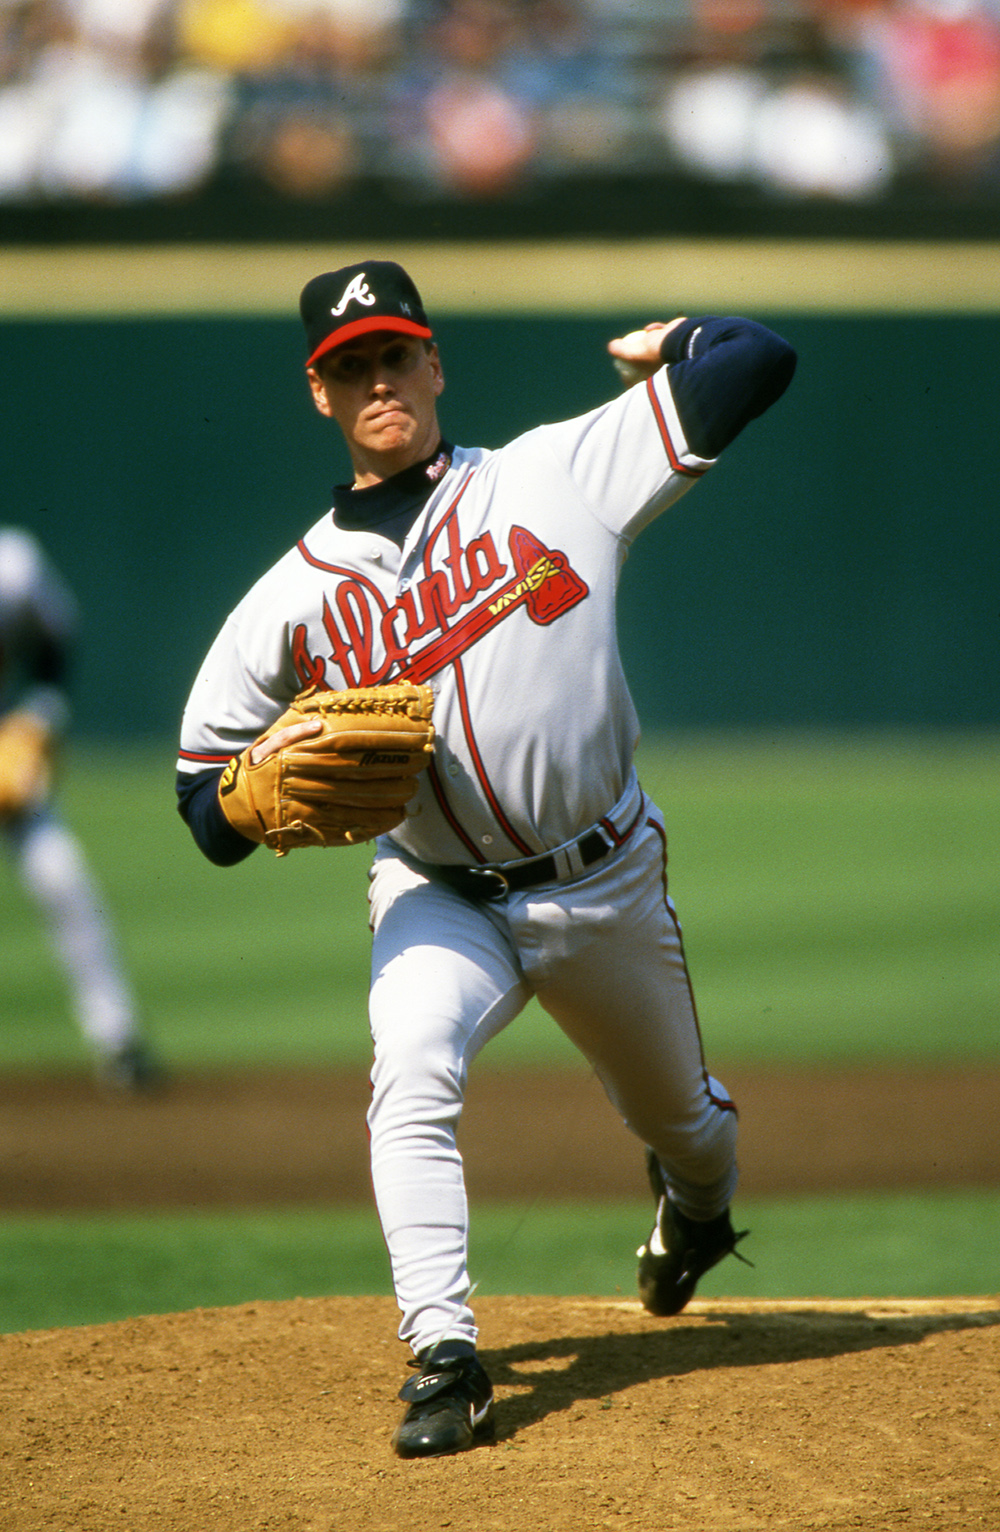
(733, 1417)
(736, 1416)
(256, 1139)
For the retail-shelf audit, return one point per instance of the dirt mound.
(733, 1417)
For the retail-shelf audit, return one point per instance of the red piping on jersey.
(444, 644)
(339, 569)
(480, 769)
(724, 1104)
(450, 647)
(446, 809)
(618, 839)
(205, 759)
(661, 421)
(433, 534)
(341, 651)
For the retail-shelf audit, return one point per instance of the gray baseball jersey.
(503, 599)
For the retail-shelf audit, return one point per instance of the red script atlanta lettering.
(439, 617)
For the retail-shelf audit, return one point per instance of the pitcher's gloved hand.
(337, 768)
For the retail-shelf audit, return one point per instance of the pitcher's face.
(381, 389)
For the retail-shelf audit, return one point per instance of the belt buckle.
(486, 873)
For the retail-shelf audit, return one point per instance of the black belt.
(496, 882)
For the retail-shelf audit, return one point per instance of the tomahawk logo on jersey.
(435, 620)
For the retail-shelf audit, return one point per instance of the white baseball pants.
(603, 954)
(51, 865)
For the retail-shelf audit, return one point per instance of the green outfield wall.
(839, 567)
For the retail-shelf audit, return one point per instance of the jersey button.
(487, 840)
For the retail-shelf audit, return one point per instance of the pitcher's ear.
(318, 390)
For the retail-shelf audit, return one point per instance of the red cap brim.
(367, 327)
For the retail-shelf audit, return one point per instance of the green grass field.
(839, 897)
(840, 903)
(87, 1270)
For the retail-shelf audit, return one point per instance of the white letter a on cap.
(358, 290)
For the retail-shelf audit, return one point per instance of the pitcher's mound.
(734, 1416)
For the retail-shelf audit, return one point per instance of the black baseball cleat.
(680, 1250)
(450, 1408)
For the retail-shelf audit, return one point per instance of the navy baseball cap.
(372, 295)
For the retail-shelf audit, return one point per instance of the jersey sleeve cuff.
(674, 345)
(198, 806)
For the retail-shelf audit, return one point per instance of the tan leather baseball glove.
(26, 760)
(337, 768)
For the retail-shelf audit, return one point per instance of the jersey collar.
(396, 500)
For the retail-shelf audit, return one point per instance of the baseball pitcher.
(434, 667)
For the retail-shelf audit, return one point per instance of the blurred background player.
(38, 618)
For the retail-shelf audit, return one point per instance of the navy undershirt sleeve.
(723, 374)
(198, 806)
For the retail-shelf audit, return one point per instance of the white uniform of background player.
(492, 575)
(38, 621)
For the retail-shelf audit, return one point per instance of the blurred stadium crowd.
(120, 101)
